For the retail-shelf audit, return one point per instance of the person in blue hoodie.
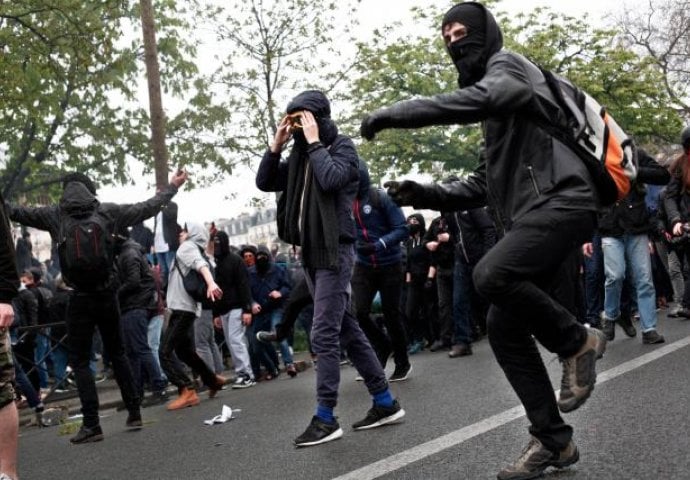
(381, 227)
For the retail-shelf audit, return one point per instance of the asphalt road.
(463, 422)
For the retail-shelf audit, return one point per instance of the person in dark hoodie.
(319, 183)
(95, 304)
(378, 268)
(137, 296)
(544, 204)
(420, 286)
(270, 286)
(233, 312)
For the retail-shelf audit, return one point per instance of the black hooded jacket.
(231, 277)
(76, 198)
(137, 288)
(319, 183)
(630, 215)
(418, 258)
(523, 167)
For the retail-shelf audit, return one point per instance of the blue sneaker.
(415, 347)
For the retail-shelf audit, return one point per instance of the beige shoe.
(536, 458)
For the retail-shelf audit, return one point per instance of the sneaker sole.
(246, 385)
(333, 436)
(401, 379)
(95, 438)
(384, 421)
(578, 402)
(134, 427)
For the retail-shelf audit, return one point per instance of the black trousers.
(366, 281)
(178, 338)
(529, 278)
(85, 312)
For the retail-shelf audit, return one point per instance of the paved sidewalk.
(109, 394)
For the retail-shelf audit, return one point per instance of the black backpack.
(86, 251)
(194, 283)
(44, 298)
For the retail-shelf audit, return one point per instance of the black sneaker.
(627, 326)
(652, 337)
(579, 372)
(134, 420)
(88, 435)
(379, 415)
(156, 398)
(536, 458)
(400, 373)
(319, 432)
(243, 381)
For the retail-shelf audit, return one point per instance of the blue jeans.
(154, 338)
(462, 303)
(41, 353)
(60, 365)
(594, 282)
(276, 318)
(261, 353)
(135, 339)
(629, 253)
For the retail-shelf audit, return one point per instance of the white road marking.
(414, 454)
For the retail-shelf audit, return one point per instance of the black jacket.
(523, 167)
(630, 215)
(476, 234)
(444, 255)
(677, 200)
(9, 278)
(233, 279)
(137, 288)
(76, 197)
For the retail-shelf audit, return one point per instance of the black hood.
(263, 249)
(221, 244)
(317, 103)
(364, 180)
(420, 220)
(471, 54)
(77, 199)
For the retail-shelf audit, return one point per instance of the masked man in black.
(544, 205)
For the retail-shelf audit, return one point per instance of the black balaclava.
(221, 244)
(471, 53)
(263, 260)
(317, 103)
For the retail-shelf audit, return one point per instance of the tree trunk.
(160, 152)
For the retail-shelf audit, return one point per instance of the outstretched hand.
(179, 177)
(405, 192)
(369, 127)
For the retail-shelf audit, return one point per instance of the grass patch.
(69, 428)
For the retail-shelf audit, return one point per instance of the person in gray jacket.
(544, 205)
(179, 336)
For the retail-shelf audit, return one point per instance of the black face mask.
(414, 228)
(262, 264)
(468, 57)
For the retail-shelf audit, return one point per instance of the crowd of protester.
(168, 307)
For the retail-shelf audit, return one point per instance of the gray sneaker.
(579, 372)
(536, 458)
(652, 337)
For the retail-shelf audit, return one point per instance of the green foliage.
(275, 49)
(69, 77)
(393, 68)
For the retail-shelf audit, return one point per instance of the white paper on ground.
(225, 415)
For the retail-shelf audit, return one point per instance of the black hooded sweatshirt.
(319, 183)
(231, 277)
(77, 199)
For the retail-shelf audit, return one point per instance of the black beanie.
(472, 15)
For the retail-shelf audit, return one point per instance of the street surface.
(463, 422)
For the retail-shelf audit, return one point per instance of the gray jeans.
(205, 342)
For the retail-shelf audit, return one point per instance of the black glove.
(366, 248)
(405, 192)
(429, 284)
(371, 124)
